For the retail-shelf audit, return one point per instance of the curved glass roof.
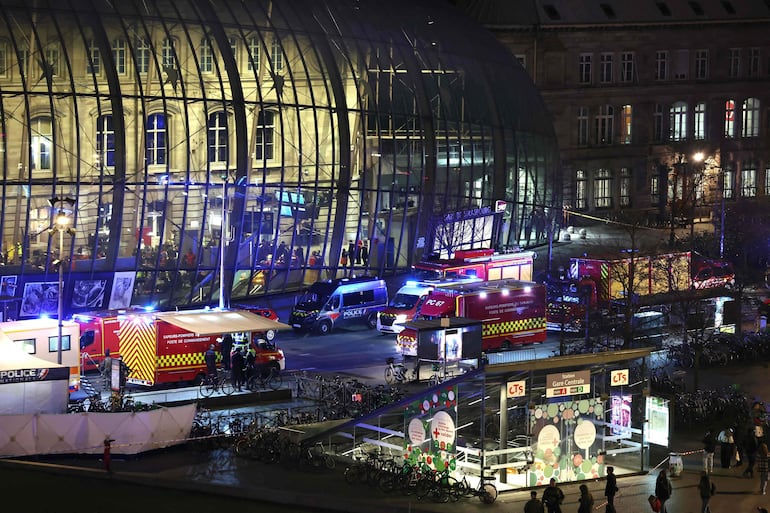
(256, 141)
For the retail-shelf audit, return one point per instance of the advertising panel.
(430, 426)
(658, 416)
(566, 447)
(620, 415)
(451, 344)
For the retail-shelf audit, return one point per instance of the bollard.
(106, 456)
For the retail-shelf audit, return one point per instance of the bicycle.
(264, 379)
(215, 383)
(485, 491)
(397, 372)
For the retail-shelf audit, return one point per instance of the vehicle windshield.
(404, 301)
(425, 275)
(316, 296)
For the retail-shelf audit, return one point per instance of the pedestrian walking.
(663, 489)
(707, 489)
(763, 466)
(726, 441)
(709, 448)
(586, 500)
(611, 488)
(553, 497)
(750, 447)
(533, 505)
(226, 350)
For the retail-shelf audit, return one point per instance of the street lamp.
(62, 226)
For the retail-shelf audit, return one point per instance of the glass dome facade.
(257, 141)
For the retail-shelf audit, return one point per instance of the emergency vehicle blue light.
(44, 316)
(149, 308)
(411, 283)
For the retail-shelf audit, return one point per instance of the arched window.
(105, 140)
(156, 139)
(750, 118)
(41, 144)
(217, 137)
(678, 121)
(265, 149)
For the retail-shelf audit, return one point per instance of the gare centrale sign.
(568, 383)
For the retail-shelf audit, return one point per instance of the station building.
(213, 152)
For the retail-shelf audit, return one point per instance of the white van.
(328, 304)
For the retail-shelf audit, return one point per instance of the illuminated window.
(627, 67)
(728, 181)
(584, 76)
(217, 140)
(750, 118)
(156, 140)
(626, 112)
(581, 184)
(105, 140)
(253, 53)
(654, 191)
(625, 187)
(729, 118)
(735, 62)
(603, 188)
(701, 64)
(27, 345)
(94, 63)
(749, 179)
(699, 121)
(603, 124)
(661, 65)
(142, 55)
(206, 57)
(41, 144)
(606, 67)
(582, 126)
(119, 54)
(265, 147)
(678, 121)
(767, 180)
(276, 54)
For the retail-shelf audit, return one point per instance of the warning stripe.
(137, 346)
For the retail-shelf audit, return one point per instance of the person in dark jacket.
(706, 489)
(210, 357)
(237, 363)
(553, 497)
(709, 448)
(663, 489)
(533, 505)
(586, 500)
(611, 488)
(226, 349)
(750, 447)
(726, 441)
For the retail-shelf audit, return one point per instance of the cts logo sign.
(619, 377)
(517, 388)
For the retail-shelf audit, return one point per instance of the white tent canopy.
(220, 321)
(29, 384)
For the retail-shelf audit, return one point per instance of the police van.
(332, 303)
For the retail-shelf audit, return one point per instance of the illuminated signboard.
(568, 383)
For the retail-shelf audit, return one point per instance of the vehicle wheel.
(390, 377)
(270, 335)
(371, 321)
(324, 327)
(329, 462)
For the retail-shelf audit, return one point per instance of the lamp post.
(62, 226)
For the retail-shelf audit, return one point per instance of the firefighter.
(210, 357)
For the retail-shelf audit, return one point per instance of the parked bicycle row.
(117, 402)
(721, 349)
(341, 398)
(729, 405)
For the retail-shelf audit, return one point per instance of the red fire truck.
(169, 347)
(512, 312)
(483, 264)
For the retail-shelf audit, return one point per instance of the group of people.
(735, 451)
(553, 497)
(236, 361)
